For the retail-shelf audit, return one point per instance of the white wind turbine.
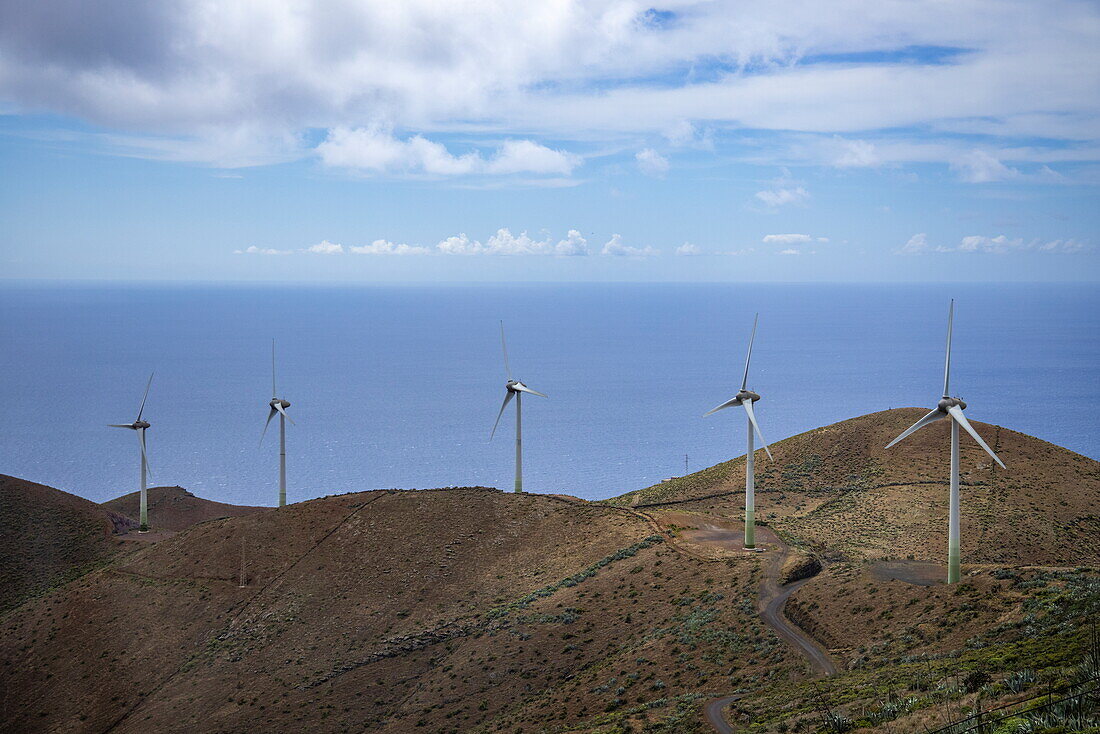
(278, 405)
(951, 408)
(513, 389)
(745, 398)
(139, 427)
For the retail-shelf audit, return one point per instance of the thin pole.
(519, 443)
(750, 493)
(242, 584)
(144, 511)
(282, 460)
(953, 569)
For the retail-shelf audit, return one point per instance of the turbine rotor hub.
(946, 403)
(140, 424)
(749, 395)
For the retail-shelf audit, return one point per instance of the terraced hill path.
(710, 538)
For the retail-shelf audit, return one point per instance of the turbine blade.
(504, 348)
(947, 362)
(270, 415)
(146, 395)
(273, 393)
(729, 403)
(141, 439)
(957, 414)
(935, 415)
(523, 388)
(279, 407)
(752, 419)
(507, 399)
(748, 357)
(120, 425)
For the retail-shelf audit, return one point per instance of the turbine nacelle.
(136, 425)
(946, 403)
(744, 395)
(277, 403)
(514, 386)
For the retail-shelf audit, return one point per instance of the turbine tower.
(513, 389)
(745, 398)
(952, 409)
(278, 405)
(139, 427)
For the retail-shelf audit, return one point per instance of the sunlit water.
(399, 386)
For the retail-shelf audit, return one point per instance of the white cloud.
(505, 243)
(1064, 246)
(253, 250)
(680, 132)
(385, 247)
(460, 245)
(854, 154)
(188, 76)
(784, 190)
(688, 249)
(999, 245)
(790, 251)
(916, 245)
(615, 247)
(786, 239)
(375, 150)
(526, 156)
(978, 166)
(651, 163)
(778, 197)
(325, 248)
(573, 244)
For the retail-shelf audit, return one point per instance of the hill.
(49, 536)
(838, 490)
(174, 508)
(389, 611)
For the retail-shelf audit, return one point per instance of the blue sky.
(598, 141)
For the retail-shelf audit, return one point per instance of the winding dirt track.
(723, 537)
(770, 604)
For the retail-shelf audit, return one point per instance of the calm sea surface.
(399, 386)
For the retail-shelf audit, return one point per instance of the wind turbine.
(951, 408)
(745, 398)
(278, 405)
(513, 389)
(139, 426)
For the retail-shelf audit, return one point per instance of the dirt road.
(711, 537)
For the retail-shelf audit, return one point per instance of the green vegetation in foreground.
(1054, 646)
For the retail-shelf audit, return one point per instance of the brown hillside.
(838, 488)
(174, 508)
(47, 536)
(390, 611)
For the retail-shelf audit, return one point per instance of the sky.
(608, 140)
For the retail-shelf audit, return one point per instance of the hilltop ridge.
(837, 488)
(175, 508)
(49, 536)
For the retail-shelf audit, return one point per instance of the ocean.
(398, 386)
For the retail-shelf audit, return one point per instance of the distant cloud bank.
(503, 243)
(918, 244)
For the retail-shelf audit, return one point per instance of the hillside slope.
(839, 489)
(390, 611)
(47, 536)
(174, 508)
